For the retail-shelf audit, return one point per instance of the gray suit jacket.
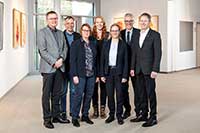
(49, 51)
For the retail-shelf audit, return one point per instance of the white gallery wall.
(111, 9)
(181, 10)
(13, 62)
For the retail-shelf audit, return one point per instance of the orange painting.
(16, 28)
(154, 22)
(120, 22)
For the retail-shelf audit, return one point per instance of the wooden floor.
(178, 108)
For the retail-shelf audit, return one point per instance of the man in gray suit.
(53, 50)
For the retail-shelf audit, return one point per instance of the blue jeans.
(85, 88)
(68, 81)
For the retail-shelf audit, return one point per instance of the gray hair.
(128, 15)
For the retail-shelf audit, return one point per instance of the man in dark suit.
(70, 36)
(145, 65)
(52, 48)
(128, 35)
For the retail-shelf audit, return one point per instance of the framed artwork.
(120, 22)
(155, 22)
(23, 25)
(16, 28)
(1, 24)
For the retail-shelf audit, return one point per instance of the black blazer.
(122, 59)
(147, 58)
(77, 57)
(135, 34)
(76, 37)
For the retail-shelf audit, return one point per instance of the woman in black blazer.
(83, 69)
(114, 71)
(100, 34)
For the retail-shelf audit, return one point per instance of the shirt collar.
(145, 32)
(129, 30)
(53, 30)
(70, 34)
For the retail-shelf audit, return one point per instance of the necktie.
(128, 37)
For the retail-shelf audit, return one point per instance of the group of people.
(97, 64)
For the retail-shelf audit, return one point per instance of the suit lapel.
(147, 36)
(52, 36)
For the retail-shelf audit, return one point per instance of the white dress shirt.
(113, 52)
(143, 34)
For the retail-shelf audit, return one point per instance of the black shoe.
(120, 121)
(139, 119)
(150, 122)
(87, 120)
(110, 119)
(126, 115)
(48, 124)
(60, 120)
(75, 122)
(64, 116)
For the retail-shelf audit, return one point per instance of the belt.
(112, 67)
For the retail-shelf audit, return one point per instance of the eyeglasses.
(128, 21)
(114, 31)
(86, 30)
(53, 18)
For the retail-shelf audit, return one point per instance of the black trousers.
(125, 89)
(95, 98)
(146, 89)
(51, 94)
(113, 85)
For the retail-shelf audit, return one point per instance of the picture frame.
(23, 25)
(154, 22)
(1, 24)
(120, 22)
(16, 28)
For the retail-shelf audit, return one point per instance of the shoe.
(120, 121)
(102, 112)
(139, 119)
(110, 119)
(60, 120)
(48, 124)
(87, 120)
(75, 122)
(64, 116)
(126, 115)
(150, 123)
(96, 112)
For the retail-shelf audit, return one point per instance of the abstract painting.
(120, 22)
(16, 28)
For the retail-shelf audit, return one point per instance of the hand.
(124, 80)
(132, 73)
(154, 74)
(75, 80)
(58, 63)
(103, 79)
(97, 79)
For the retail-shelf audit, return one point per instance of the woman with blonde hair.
(114, 72)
